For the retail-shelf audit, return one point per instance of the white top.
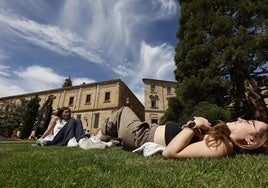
(58, 126)
(56, 129)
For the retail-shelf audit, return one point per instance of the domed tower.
(68, 82)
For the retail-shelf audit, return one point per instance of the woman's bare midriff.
(159, 136)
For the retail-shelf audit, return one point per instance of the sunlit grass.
(23, 165)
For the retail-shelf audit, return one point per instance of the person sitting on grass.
(194, 139)
(64, 130)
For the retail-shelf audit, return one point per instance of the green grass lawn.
(23, 165)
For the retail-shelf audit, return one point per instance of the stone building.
(156, 94)
(92, 102)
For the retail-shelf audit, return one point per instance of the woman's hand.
(202, 123)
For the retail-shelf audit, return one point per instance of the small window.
(88, 99)
(71, 101)
(153, 103)
(155, 121)
(107, 97)
(96, 120)
(168, 90)
(127, 101)
(152, 88)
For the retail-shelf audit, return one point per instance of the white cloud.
(124, 70)
(3, 55)
(4, 70)
(168, 8)
(116, 27)
(32, 79)
(37, 78)
(79, 81)
(62, 41)
(140, 95)
(110, 33)
(156, 62)
(8, 88)
(40, 74)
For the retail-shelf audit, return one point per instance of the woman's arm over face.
(178, 148)
(50, 127)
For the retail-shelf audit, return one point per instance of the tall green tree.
(30, 117)
(11, 115)
(221, 44)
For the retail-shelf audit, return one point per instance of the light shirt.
(58, 126)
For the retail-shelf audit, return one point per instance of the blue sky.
(42, 42)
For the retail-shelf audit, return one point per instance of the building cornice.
(84, 85)
(148, 80)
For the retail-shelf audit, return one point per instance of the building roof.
(149, 80)
(83, 85)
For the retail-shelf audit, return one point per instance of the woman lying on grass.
(183, 141)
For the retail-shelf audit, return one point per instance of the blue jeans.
(73, 128)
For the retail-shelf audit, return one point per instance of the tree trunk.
(249, 103)
(256, 101)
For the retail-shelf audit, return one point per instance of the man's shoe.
(72, 142)
(43, 142)
(87, 143)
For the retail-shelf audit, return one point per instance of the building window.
(107, 97)
(154, 121)
(127, 101)
(78, 116)
(168, 90)
(88, 99)
(96, 120)
(153, 103)
(71, 101)
(152, 88)
(154, 99)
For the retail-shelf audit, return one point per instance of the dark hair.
(60, 111)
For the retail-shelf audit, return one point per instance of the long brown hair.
(221, 132)
(218, 133)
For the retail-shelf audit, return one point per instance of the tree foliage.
(171, 114)
(12, 115)
(222, 44)
(212, 112)
(30, 117)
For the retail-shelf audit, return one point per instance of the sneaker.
(43, 142)
(109, 144)
(87, 143)
(72, 142)
(40, 142)
(95, 139)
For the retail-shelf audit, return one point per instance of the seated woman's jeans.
(73, 128)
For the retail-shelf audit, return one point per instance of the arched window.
(154, 99)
